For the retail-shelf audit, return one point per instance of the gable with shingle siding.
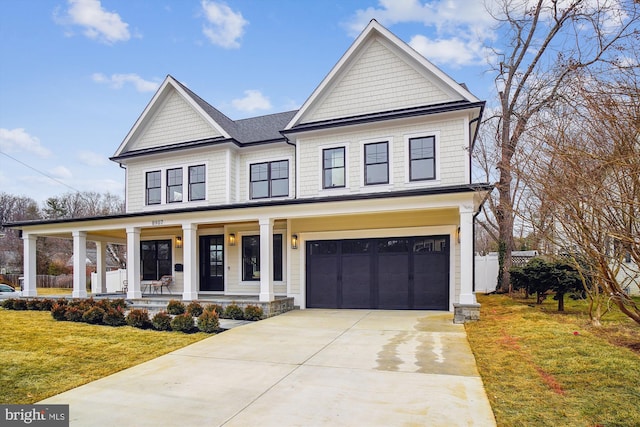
(175, 121)
(379, 80)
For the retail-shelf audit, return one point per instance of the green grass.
(42, 357)
(543, 368)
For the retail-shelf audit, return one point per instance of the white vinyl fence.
(115, 281)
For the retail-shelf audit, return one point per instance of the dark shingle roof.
(245, 131)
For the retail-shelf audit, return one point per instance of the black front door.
(212, 263)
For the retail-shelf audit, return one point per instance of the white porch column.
(79, 264)
(29, 251)
(101, 269)
(466, 255)
(133, 263)
(266, 259)
(190, 261)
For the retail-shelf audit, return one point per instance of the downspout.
(295, 171)
(472, 143)
(126, 172)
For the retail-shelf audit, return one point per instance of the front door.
(212, 263)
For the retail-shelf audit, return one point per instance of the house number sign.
(157, 222)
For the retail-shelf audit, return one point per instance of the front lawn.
(42, 357)
(544, 368)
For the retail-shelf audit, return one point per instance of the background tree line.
(53, 253)
(562, 140)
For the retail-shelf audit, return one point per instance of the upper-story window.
(333, 167)
(422, 158)
(153, 184)
(174, 185)
(269, 179)
(376, 163)
(197, 182)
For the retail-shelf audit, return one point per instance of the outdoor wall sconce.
(178, 242)
(294, 241)
(458, 234)
(232, 239)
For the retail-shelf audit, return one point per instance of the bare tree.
(547, 43)
(589, 170)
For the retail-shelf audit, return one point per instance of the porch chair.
(164, 282)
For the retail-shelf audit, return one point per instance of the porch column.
(466, 255)
(190, 261)
(79, 264)
(133, 262)
(101, 269)
(266, 259)
(29, 251)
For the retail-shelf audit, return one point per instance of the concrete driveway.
(303, 368)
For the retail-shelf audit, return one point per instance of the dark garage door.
(385, 273)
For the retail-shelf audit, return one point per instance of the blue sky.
(76, 74)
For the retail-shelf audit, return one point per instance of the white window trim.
(338, 190)
(407, 163)
(247, 167)
(185, 186)
(390, 153)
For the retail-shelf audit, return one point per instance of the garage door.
(385, 273)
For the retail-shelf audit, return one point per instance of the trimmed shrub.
(208, 322)
(114, 317)
(58, 311)
(161, 321)
(7, 303)
(215, 307)
(19, 304)
(138, 318)
(253, 312)
(175, 307)
(182, 323)
(233, 311)
(33, 304)
(118, 304)
(73, 314)
(46, 304)
(94, 315)
(194, 309)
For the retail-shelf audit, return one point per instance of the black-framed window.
(251, 258)
(197, 182)
(153, 185)
(333, 167)
(376, 163)
(269, 179)
(155, 256)
(174, 185)
(422, 158)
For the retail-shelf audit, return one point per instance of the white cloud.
(90, 158)
(227, 26)
(98, 23)
(117, 81)
(60, 172)
(253, 100)
(16, 140)
(459, 27)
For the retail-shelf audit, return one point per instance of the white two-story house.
(362, 198)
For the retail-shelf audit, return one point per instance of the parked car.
(7, 291)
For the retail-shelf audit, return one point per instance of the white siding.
(213, 159)
(175, 121)
(451, 156)
(378, 81)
